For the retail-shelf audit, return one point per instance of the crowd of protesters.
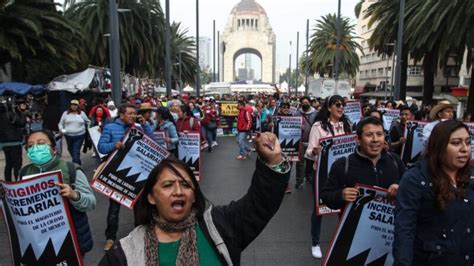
(425, 234)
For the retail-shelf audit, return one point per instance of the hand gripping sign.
(124, 174)
(332, 149)
(39, 224)
(365, 232)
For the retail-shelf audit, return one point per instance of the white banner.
(189, 152)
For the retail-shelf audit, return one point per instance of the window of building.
(373, 73)
(256, 24)
(367, 74)
(388, 71)
(414, 70)
(380, 72)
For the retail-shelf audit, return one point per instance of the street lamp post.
(115, 52)
(167, 49)
(386, 78)
(398, 74)
(338, 40)
(198, 71)
(307, 60)
(289, 70)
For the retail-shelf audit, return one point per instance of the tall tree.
(141, 27)
(183, 48)
(38, 41)
(322, 49)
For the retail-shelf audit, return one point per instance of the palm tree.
(385, 14)
(358, 8)
(183, 50)
(323, 47)
(38, 41)
(434, 46)
(140, 33)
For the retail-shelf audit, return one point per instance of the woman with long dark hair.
(175, 227)
(434, 216)
(329, 122)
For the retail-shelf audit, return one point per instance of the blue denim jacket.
(170, 129)
(425, 235)
(114, 132)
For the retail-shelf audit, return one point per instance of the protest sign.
(189, 152)
(94, 133)
(332, 149)
(288, 130)
(293, 110)
(353, 111)
(39, 224)
(389, 115)
(365, 232)
(229, 109)
(471, 132)
(413, 146)
(159, 137)
(124, 174)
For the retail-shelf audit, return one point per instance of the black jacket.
(12, 124)
(360, 170)
(237, 223)
(425, 235)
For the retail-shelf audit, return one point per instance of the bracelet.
(282, 167)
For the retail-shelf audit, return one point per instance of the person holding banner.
(186, 121)
(110, 140)
(369, 165)
(176, 226)
(304, 167)
(166, 123)
(41, 149)
(434, 214)
(330, 122)
(397, 131)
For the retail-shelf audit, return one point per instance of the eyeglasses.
(338, 105)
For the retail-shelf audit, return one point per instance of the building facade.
(205, 54)
(377, 72)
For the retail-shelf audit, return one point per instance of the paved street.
(285, 241)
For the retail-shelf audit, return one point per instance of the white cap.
(111, 103)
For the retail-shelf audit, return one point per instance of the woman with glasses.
(330, 122)
(41, 150)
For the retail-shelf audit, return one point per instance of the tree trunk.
(429, 68)
(470, 99)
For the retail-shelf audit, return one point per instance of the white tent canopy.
(188, 89)
(74, 82)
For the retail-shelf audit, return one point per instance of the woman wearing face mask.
(165, 123)
(41, 149)
(330, 122)
(305, 166)
(175, 225)
(434, 214)
(73, 125)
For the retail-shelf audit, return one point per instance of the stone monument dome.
(248, 31)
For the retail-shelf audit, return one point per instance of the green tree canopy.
(322, 50)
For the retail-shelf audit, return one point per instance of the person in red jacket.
(210, 122)
(244, 124)
(186, 121)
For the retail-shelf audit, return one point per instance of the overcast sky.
(286, 18)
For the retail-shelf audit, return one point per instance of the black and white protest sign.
(39, 224)
(332, 149)
(189, 152)
(353, 111)
(159, 137)
(365, 232)
(289, 129)
(94, 133)
(389, 115)
(414, 141)
(124, 174)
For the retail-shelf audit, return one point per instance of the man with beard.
(369, 165)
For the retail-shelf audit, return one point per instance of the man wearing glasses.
(109, 141)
